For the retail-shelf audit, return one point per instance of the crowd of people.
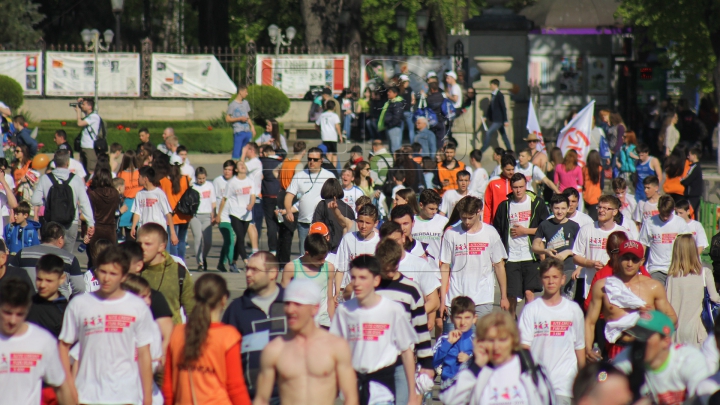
(403, 264)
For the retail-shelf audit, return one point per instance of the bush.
(11, 93)
(267, 102)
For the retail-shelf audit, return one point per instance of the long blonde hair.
(685, 259)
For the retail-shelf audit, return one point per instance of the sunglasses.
(314, 159)
(532, 141)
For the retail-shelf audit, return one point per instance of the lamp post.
(422, 17)
(117, 8)
(91, 39)
(401, 18)
(277, 37)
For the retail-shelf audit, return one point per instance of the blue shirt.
(236, 110)
(446, 353)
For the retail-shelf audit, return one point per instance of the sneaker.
(205, 266)
(233, 268)
(221, 268)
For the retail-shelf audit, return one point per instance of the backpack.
(423, 111)
(189, 202)
(100, 144)
(60, 201)
(448, 109)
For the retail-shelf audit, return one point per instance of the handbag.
(710, 309)
(423, 111)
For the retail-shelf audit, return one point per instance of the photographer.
(90, 125)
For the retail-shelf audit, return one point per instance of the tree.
(690, 30)
(18, 22)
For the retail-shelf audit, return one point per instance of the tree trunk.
(168, 24)
(439, 30)
(321, 24)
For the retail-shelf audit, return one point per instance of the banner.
(533, 127)
(295, 75)
(73, 74)
(576, 134)
(374, 69)
(25, 68)
(189, 76)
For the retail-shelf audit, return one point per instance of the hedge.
(134, 125)
(11, 93)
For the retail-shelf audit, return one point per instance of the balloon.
(40, 161)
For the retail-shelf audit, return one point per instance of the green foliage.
(11, 93)
(267, 102)
(18, 20)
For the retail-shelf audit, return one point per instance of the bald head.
(169, 131)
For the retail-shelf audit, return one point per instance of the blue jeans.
(303, 230)
(401, 386)
(371, 128)
(240, 139)
(428, 141)
(495, 127)
(395, 138)
(181, 230)
(347, 122)
(409, 122)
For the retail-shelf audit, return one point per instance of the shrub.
(267, 102)
(11, 93)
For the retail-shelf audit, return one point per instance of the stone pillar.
(493, 67)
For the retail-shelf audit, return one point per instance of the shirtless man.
(311, 365)
(638, 292)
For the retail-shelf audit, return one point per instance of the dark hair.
(517, 177)
(129, 161)
(408, 195)
(499, 151)
(149, 173)
(651, 180)
(507, 160)
(15, 293)
(665, 205)
(51, 232)
(299, 147)
(135, 284)
(90, 101)
(683, 204)
(114, 255)
(99, 246)
(368, 210)
(400, 211)
(559, 198)
(394, 89)
(462, 304)
(23, 208)
(416, 147)
(329, 105)
(589, 377)
(388, 228)
(610, 199)
(271, 261)
(619, 183)
(115, 147)
(495, 82)
(52, 264)
(209, 292)
(200, 171)
(369, 263)
(254, 146)
(176, 177)
(316, 245)
(133, 249)
(315, 149)
(332, 189)
(398, 175)
(642, 148)
(463, 173)
(696, 152)
(477, 155)
(471, 205)
(144, 129)
(61, 133)
(594, 166)
(549, 263)
(614, 241)
(430, 196)
(388, 252)
(102, 178)
(675, 163)
(61, 157)
(571, 192)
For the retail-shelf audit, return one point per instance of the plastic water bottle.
(280, 218)
(596, 350)
(82, 247)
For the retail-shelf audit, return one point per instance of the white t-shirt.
(108, 332)
(532, 173)
(25, 362)
(207, 197)
(628, 207)
(590, 244)
(479, 182)
(504, 386)
(91, 131)
(430, 233)
(352, 246)
(471, 258)
(255, 172)
(3, 197)
(495, 173)
(327, 122)
(351, 195)
(238, 194)
(632, 228)
(152, 206)
(553, 334)
(699, 234)
(306, 186)
(420, 271)
(220, 184)
(645, 210)
(450, 199)
(519, 247)
(581, 218)
(187, 170)
(658, 237)
(75, 167)
(455, 90)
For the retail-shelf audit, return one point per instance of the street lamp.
(117, 8)
(401, 18)
(276, 37)
(91, 39)
(422, 17)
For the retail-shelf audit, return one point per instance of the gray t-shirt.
(239, 109)
(265, 302)
(559, 237)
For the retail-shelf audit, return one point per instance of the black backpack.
(189, 202)
(60, 201)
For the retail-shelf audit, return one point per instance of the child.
(647, 166)
(116, 156)
(48, 305)
(647, 207)
(455, 348)
(240, 198)
(553, 329)
(329, 126)
(693, 181)
(682, 209)
(91, 282)
(358, 243)
(151, 205)
(186, 169)
(22, 232)
(119, 184)
(628, 204)
(480, 177)
(451, 197)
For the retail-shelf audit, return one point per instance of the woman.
(204, 343)
(272, 137)
(593, 178)
(628, 157)
(686, 282)
(615, 133)
(104, 199)
(677, 167)
(332, 191)
(363, 180)
(223, 216)
(240, 198)
(174, 186)
(569, 174)
(201, 223)
(556, 158)
(407, 196)
(21, 164)
(129, 172)
(669, 135)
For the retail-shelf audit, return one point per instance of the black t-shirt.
(559, 237)
(407, 98)
(18, 272)
(159, 306)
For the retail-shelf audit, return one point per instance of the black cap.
(356, 149)
(326, 90)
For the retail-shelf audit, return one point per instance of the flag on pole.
(533, 127)
(576, 134)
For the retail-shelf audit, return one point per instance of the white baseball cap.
(303, 291)
(175, 160)
(431, 74)
(404, 78)
(452, 74)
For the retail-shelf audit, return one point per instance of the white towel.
(423, 383)
(613, 329)
(621, 296)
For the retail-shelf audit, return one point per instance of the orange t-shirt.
(591, 191)
(672, 185)
(131, 182)
(450, 175)
(287, 171)
(166, 186)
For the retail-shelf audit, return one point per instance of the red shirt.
(496, 192)
(606, 272)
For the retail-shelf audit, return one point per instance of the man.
(327, 95)
(170, 145)
(693, 180)
(270, 189)
(497, 113)
(351, 192)
(480, 177)
(451, 197)
(380, 161)
(356, 156)
(453, 90)
(648, 206)
(682, 210)
(163, 147)
(516, 221)
(258, 315)
(448, 169)
(647, 166)
(310, 364)
(408, 103)
(144, 136)
(48, 305)
(532, 173)
(29, 354)
(238, 114)
(53, 240)
(621, 297)
(601, 384)
(425, 137)
(80, 199)
(392, 118)
(163, 272)
(91, 128)
(574, 214)
(498, 189)
(60, 139)
(470, 252)
(8, 272)
(429, 226)
(658, 233)
(672, 371)
(23, 135)
(306, 185)
(539, 158)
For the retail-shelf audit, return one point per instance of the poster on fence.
(73, 74)
(25, 68)
(189, 76)
(383, 68)
(295, 75)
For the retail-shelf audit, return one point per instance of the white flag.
(576, 134)
(533, 127)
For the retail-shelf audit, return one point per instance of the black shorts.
(521, 277)
(331, 146)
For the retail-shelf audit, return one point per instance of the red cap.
(632, 247)
(319, 227)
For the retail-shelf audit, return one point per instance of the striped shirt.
(28, 258)
(407, 292)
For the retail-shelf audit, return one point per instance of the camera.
(73, 105)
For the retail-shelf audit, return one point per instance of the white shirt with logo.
(108, 332)
(628, 207)
(519, 247)
(207, 197)
(590, 244)
(553, 334)
(220, 184)
(430, 232)
(306, 186)
(352, 246)
(471, 258)
(420, 271)
(658, 237)
(351, 195)
(152, 206)
(504, 386)
(237, 193)
(699, 234)
(26, 361)
(645, 210)
(532, 173)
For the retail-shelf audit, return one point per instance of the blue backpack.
(448, 109)
(17, 240)
(423, 111)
